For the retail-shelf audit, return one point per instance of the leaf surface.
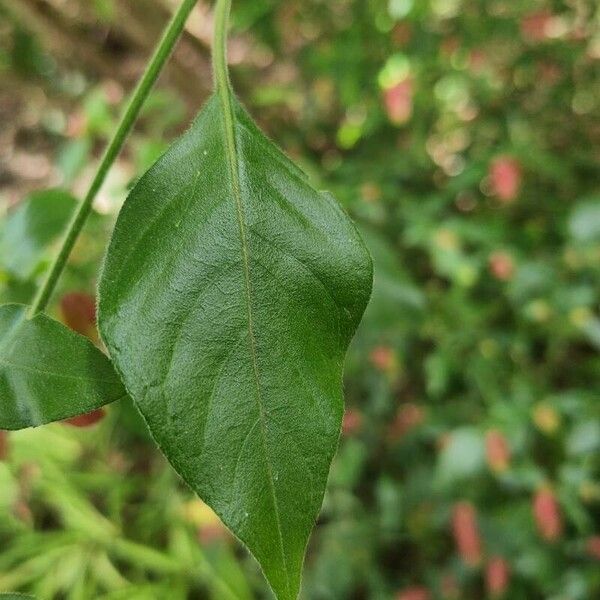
(48, 372)
(230, 293)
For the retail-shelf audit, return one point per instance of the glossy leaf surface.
(230, 293)
(48, 372)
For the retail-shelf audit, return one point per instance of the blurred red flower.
(466, 533)
(478, 60)
(409, 415)
(88, 419)
(3, 445)
(502, 266)
(534, 26)
(210, 533)
(497, 450)
(383, 358)
(401, 34)
(398, 101)
(352, 422)
(79, 313)
(414, 593)
(76, 124)
(505, 178)
(546, 512)
(497, 576)
(593, 546)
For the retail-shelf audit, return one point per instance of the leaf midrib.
(29, 369)
(225, 97)
(13, 332)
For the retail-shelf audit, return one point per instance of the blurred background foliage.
(464, 138)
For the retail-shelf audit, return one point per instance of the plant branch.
(130, 114)
(219, 53)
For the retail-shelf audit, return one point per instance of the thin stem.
(138, 97)
(219, 51)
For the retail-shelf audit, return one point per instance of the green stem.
(138, 97)
(219, 51)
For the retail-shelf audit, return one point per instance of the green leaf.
(462, 457)
(48, 372)
(35, 223)
(584, 223)
(229, 295)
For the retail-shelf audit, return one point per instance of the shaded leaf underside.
(229, 295)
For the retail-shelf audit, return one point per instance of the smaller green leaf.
(48, 372)
(584, 223)
(31, 227)
(462, 458)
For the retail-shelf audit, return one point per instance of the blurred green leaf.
(462, 457)
(584, 223)
(584, 439)
(31, 227)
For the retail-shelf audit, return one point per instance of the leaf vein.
(217, 379)
(233, 163)
(306, 268)
(7, 363)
